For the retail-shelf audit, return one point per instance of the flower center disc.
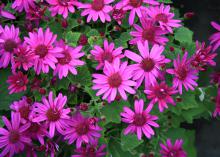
(14, 136)
(148, 34)
(82, 128)
(10, 45)
(53, 115)
(182, 73)
(20, 82)
(97, 5)
(66, 59)
(106, 56)
(162, 17)
(161, 93)
(139, 119)
(34, 128)
(24, 112)
(115, 80)
(147, 64)
(63, 2)
(41, 50)
(136, 3)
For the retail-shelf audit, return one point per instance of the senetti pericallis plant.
(96, 78)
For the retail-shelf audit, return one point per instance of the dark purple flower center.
(107, 56)
(139, 119)
(91, 152)
(160, 93)
(162, 17)
(115, 80)
(147, 64)
(181, 73)
(98, 5)
(41, 50)
(66, 59)
(10, 45)
(53, 115)
(14, 136)
(63, 2)
(148, 34)
(172, 154)
(34, 128)
(136, 3)
(24, 112)
(118, 14)
(20, 82)
(82, 128)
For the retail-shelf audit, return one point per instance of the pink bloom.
(13, 139)
(6, 14)
(215, 78)
(118, 14)
(62, 7)
(51, 148)
(97, 9)
(116, 78)
(21, 5)
(70, 60)
(139, 121)
(215, 38)
(23, 108)
(135, 7)
(203, 56)
(41, 43)
(52, 112)
(81, 130)
(161, 94)
(23, 58)
(175, 150)
(217, 107)
(17, 82)
(148, 32)
(184, 74)
(164, 17)
(9, 40)
(148, 63)
(108, 53)
(91, 150)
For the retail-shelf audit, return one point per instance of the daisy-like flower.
(118, 14)
(148, 64)
(21, 5)
(175, 150)
(148, 32)
(81, 130)
(164, 17)
(41, 43)
(9, 40)
(23, 108)
(97, 9)
(108, 53)
(6, 14)
(161, 94)
(184, 74)
(116, 78)
(62, 7)
(215, 38)
(91, 150)
(17, 82)
(203, 56)
(13, 139)
(215, 78)
(52, 112)
(70, 60)
(135, 7)
(140, 120)
(23, 58)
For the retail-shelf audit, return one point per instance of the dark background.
(207, 132)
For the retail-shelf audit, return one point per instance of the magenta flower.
(52, 112)
(41, 43)
(139, 121)
(215, 78)
(217, 106)
(170, 150)
(12, 139)
(161, 94)
(184, 74)
(164, 17)
(97, 9)
(118, 14)
(23, 58)
(6, 14)
(148, 32)
(21, 5)
(135, 7)
(23, 108)
(91, 150)
(215, 38)
(81, 130)
(108, 53)
(116, 78)
(17, 82)
(62, 7)
(70, 60)
(9, 40)
(148, 63)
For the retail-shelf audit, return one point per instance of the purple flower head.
(215, 38)
(21, 5)
(6, 14)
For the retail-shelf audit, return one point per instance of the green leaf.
(183, 35)
(5, 98)
(63, 83)
(93, 32)
(72, 38)
(119, 42)
(125, 36)
(129, 142)
(115, 109)
(165, 1)
(188, 101)
(83, 77)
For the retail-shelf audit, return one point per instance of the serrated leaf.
(126, 143)
(72, 38)
(63, 83)
(183, 35)
(125, 36)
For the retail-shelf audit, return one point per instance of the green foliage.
(129, 142)
(183, 35)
